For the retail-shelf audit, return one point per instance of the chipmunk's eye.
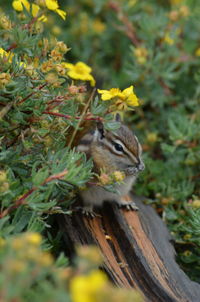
(118, 147)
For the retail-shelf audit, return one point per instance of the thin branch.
(12, 46)
(82, 117)
(70, 117)
(32, 93)
(129, 29)
(22, 199)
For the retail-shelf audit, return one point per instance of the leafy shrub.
(44, 100)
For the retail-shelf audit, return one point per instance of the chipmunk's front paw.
(86, 211)
(89, 213)
(129, 206)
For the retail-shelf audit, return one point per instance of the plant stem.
(81, 117)
(22, 199)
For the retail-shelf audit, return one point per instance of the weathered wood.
(137, 251)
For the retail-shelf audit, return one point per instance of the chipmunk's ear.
(101, 130)
(118, 118)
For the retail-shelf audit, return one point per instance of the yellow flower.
(56, 30)
(30, 69)
(2, 242)
(173, 15)
(60, 69)
(61, 13)
(5, 78)
(35, 9)
(80, 71)
(33, 238)
(5, 21)
(122, 99)
(47, 66)
(46, 259)
(168, 39)
(187, 253)
(53, 5)
(104, 179)
(89, 254)
(99, 26)
(62, 47)
(184, 11)
(110, 94)
(187, 236)
(19, 5)
(4, 53)
(16, 266)
(3, 176)
(51, 78)
(152, 137)
(87, 288)
(130, 97)
(175, 2)
(197, 52)
(56, 55)
(141, 54)
(196, 203)
(17, 243)
(4, 187)
(118, 176)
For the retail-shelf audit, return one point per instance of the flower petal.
(128, 91)
(61, 13)
(84, 66)
(132, 100)
(67, 65)
(52, 4)
(102, 91)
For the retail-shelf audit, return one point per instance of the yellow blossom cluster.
(35, 9)
(98, 26)
(5, 78)
(8, 56)
(27, 247)
(54, 65)
(141, 54)
(181, 12)
(5, 22)
(4, 184)
(168, 39)
(106, 179)
(197, 52)
(176, 2)
(196, 203)
(122, 99)
(152, 137)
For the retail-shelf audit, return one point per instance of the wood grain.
(137, 251)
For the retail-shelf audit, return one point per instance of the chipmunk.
(119, 150)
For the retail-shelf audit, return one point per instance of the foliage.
(28, 273)
(44, 103)
(46, 96)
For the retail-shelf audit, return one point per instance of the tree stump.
(136, 249)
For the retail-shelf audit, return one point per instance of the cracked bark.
(136, 248)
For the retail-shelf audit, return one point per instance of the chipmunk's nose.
(141, 166)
